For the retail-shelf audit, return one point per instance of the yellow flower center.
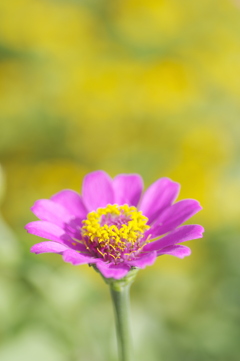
(114, 231)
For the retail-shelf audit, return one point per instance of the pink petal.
(144, 260)
(97, 190)
(54, 233)
(110, 270)
(174, 216)
(181, 234)
(177, 251)
(47, 210)
(128, 189)
(48, 247)
(71, 201)
(157, 197)
(46, 230)
(77, 259)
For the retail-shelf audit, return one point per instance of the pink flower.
(114, 224)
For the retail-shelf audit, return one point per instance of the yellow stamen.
(112, 235)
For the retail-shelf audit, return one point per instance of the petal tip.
(187, 253)
(201, 230)
(34, 250)
(28, 227)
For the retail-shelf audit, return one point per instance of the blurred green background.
(125, 86)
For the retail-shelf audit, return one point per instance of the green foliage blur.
(125, 86)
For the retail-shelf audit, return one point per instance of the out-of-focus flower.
(114, 225)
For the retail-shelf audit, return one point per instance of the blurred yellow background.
(125, 86)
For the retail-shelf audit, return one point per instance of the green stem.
(120, 297)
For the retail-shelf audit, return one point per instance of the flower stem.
(119, 289)
(120, 297)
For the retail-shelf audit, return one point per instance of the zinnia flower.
(114, 225)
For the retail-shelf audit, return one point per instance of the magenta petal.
(54, 233)
(128, 189)
(48, 247)
(97, 190)
(157, 197)
(174, 216)
(145, 260)
(177, 251)
(47, 210)
(109, 270)
(71, 201)
(181, 234)
(76, 258)
(46, 230)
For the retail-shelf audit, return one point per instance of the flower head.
(114, 225)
